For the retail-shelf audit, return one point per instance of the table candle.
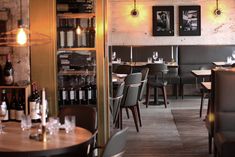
(43, 107)
(131, 53)
(172, 53)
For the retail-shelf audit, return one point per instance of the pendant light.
(217, 11)
(22, 36)
(134, 11)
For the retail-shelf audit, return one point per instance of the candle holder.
(42, 136)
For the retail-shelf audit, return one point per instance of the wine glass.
(3, 112)
(114, 56)
(233, 54)
(155, 55)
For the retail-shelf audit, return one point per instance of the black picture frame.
(163, 20)
(190, 20)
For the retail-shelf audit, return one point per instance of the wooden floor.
(173, 132)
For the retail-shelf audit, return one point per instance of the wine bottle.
(87, 31)
(12, 107)
(72, 96)
(34, 105)
(83, 36)
(61, 34)
(92, 34)
(5, 103)
(8, 71)
(80, 95)
(20, 107)
(70, 33)
(64, 94)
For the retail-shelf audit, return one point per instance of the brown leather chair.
(86, 117)
(223, 89)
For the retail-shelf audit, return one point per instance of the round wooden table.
(16, 142)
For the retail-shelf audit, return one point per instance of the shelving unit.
(26, 89)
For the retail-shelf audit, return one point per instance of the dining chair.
(86, 117)
(156, 80)
(223, 89)
(115, 147)
(115, 104)
(130, 96)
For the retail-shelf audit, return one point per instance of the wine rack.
(76, 56)
(26, 90)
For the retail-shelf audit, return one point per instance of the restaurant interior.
(110, 78)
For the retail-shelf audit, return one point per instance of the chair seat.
(225, 141)
(157, 83)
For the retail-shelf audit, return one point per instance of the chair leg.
(133, 109)
(120, 114)
(182, 90)
(210, 143)
(127, 113)
(147, 95)
(138, 109)
(202, 102)
(176, 91)
(165, 95)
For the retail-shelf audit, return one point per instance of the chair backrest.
(223, 89)
(144, 79)
(123, 69)
(86, 116)
(131, 89)
(116, 144)
(116, 102)
(159, 69)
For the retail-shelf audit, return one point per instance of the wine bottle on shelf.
(72, 96)
(74, 8)
(83, 36)
(80, 95)
(70, 33)
(61, 33)
(63, 96)
(92, 34)
(88, 33)
(5, 103)
(34, 109)
(78, 33)
(13, 105)
(20, 107)
(8, 72)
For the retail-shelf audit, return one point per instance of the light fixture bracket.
(217, 11)
(134, 11)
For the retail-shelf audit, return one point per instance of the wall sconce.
(217, 11)
(134, 11)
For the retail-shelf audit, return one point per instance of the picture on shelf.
(189, 21)
(163, 20)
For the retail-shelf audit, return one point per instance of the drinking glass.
(149, 60)
(114, 56)
(69, 123)
(155, 55)
(26, 122)
(3, 112)
(53, 125)
(233, 54)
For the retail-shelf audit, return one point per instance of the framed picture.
(190, 20)
(163, 20)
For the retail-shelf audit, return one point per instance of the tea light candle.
(43, 107)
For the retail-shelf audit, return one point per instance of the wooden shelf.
(13, 87)
(78, 49)
(76, 72)
(76, 15)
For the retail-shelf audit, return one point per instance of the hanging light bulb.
(21, 36)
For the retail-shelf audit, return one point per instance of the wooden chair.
(86, 117)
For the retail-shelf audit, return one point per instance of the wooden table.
(16, 143)
(201, 73)
(222, 64)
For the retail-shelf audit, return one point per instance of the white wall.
(127, 30)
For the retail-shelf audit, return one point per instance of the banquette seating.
(188, 57)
